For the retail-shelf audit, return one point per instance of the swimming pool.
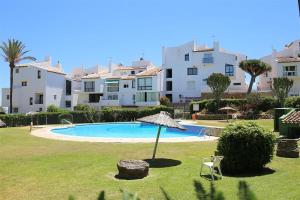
(128, 130)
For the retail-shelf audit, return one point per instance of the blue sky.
(88, 32)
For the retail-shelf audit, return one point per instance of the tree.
(165, 101)
(254, 68)
(13, 52)
(218, 84)
(281, 88)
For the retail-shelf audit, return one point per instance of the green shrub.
(53, 108)
(91, 116)
(292, 102)
(82, 107)
(246, 147)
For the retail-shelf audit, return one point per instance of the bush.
(246, 147)
(292, 102)
(164, 101)
(53, 108)
(82, 107)
(91, 116)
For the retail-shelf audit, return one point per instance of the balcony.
(289, 73)
(208, 60)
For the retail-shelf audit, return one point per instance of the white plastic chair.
(214, 162)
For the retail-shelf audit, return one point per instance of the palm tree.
(13, 53)
(254, 68)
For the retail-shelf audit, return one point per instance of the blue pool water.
(128, 130)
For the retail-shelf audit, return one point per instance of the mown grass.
(37, 168)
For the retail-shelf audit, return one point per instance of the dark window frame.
(68, 104)
(24, 83)
(169, 85)
(89, 88)
(31, 101)
(192, 71)
(187, 57)
(169, 73)
(39, 75)
(229, 70)
(68, 87)
(144, 86)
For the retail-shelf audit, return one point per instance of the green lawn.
(37, 168)
(266, 123)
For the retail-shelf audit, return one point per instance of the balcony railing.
(290, 73)
(144, 87)
(208, 60)
(39, 102)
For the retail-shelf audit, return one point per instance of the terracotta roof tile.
(293, 118)
(149, 72)
(287, 59)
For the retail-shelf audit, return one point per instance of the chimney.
(48, 59)
(58, 65)
(216, 46)
(110, 65)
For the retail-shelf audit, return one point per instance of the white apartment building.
(187, 67)
(37, 85)
(136, 85)
(284, 63)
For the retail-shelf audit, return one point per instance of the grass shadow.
(117, 176)
(162, 162)
(208, 177)
(265, 171)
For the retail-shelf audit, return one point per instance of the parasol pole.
(156, 142)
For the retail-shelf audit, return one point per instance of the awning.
(111, 81)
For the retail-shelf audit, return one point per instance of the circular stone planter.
(132, 169)
(288, 148)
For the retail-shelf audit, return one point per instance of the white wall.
(173, 57)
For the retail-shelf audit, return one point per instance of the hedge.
(105, 115)
(264, 104)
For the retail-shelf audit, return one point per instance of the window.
(15, 110)
(147, 96)
(205, 79)
(17, 71)
(191, 85)
(145, 83)
(125, 85)
(229, 70)
(289, 71)
(207, 58)
(112, 85)
(24, 83)
(30, 101)
(40, 109)
(68, 87)
(68, 104)
(39, 98)
(192, 71)
(236, 83)
(170, 97)
(133, 83)
(54, 97)
(39, 74)
(169, 85)
(112, 97)
(94, 98)
(7, 97)
(186, 57)
(89, 86)
(132, 72)
(169, 73)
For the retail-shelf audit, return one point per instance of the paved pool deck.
(45, 132)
